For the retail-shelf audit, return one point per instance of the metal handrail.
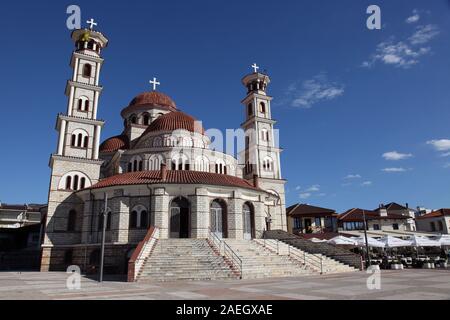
(226, 251)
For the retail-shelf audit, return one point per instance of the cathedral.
(160, 172)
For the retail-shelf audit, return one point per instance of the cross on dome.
(154, 83)
(255, 67)
(91, 23)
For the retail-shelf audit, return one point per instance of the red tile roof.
(307, 210)
(435, 214)
(174, 177)
(175, 121)
(153, 99)
(115, 143)
(356, 215)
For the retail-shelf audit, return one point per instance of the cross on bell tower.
(91, 24)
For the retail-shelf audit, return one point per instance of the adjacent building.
(307, 219)
(377, 220)
(436, 221)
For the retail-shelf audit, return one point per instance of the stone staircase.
(260, 262)
(184, 259)
(318, 263)
(342, 255)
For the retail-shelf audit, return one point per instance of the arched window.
(264, 135)
(139, 217)
(82, 183)
(68, 183)
(72, 220)
(202, 164)
(75, 182)
(268, 164)
(250, 109)
(86, 141)
(133, 219)
(140, 166)
(221, 167)
(108, 221)
(86, 105)
(180, 162)
(218, 218)
(144, 219)
(440, 226)
(262, 107)
(248, 216)
(133, 119)
(146, 119)
(80, 104)
(130, 167)
(73, 141)
(87, 70)
(155, 161)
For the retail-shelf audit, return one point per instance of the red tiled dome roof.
(174, 177)
(115, 143)
(175, 120)
(152, 98)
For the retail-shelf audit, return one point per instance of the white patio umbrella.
(393, 242)
(361, 241)
(443, 239)
(318, 240)
(418, 241)
(341, 240)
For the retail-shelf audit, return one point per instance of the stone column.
(160, 211)
(120, 208)
(200, 214)
(235, 222)
(260, 217)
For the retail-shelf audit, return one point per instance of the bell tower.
(262, 152)
(75, 165)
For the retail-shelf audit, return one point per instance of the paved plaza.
(406, 284)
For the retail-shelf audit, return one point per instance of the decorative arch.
(180, 162)
(248, 217)
(157, 142)
(79, 139)
(268, 164)
(139, 217)
(221, 167)
(74, 180)
(202, 164)
(180, 218)
(135, 164)
(219, 218)
(83, 103)
(155, 161)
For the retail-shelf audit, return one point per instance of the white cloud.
(314, 188)
(447, 154)
(414, 18)
(353, 176)
(391, 170)
(395, 156)
(305, 195)
(424, 34)
(367, 183)
(313, 91)
(405, 53)
(440, 145)
(447, 165)
(297, 188)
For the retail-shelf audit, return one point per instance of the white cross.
(154, 83)
(255, 67)
(91, 23)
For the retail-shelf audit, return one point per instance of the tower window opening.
(73, 141)
(86, 105)
(146, 120)
(80, 140)
(68, 183)
(262, 107)
(83, 183)
(250, 109)
(80, 104)
(87, 70)
(86, 141)
(75, 182)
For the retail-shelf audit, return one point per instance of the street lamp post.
(369, 263)
(102, 254)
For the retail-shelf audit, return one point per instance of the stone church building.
(159, 171)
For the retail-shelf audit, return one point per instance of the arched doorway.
(180, 218)
(248, 214)
(218, 218)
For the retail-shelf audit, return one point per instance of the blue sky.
(344, 95)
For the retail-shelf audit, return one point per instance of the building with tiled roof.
(162, 170)
(437, 221)
(377, 220)
(305, 219)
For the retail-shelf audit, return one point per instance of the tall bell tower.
(76, 164)
(262, 152)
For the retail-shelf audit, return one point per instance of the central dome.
(175, 120)
(153, 98)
